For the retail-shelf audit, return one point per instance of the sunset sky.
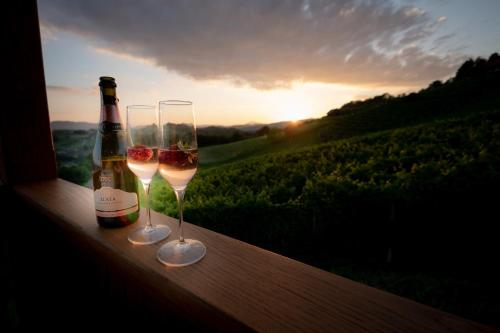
(258, 60)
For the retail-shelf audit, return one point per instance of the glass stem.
(149, 225)
(179, 194)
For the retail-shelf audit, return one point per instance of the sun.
(295, 109)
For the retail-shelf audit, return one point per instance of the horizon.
(281, 62)
(251, 123)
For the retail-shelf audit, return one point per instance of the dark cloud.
(264, 43)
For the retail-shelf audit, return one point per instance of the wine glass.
(142, 160)
(178, 157)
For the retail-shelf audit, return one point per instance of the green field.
(292, 137)
(228, 152)
(73, 154)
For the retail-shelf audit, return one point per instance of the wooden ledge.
(237, 286)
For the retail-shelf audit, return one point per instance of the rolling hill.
(72, 125)
(474, 88)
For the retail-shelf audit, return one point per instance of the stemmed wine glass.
(142, 160)
(178, 158)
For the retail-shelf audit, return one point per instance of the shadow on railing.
(68, 272)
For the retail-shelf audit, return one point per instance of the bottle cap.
(107, 81)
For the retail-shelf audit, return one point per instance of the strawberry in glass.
(178, 164)
(143, 161)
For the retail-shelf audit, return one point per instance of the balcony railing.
(237, 286)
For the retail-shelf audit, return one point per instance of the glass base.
(177, 254)
(149, 235)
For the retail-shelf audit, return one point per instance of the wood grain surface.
(237, 286)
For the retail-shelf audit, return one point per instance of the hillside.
(72, 125)
(474, 88)
(386, 171)
(410, 210)
(253, 127)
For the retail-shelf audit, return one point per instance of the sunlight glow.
(295, 109)
(73, 91)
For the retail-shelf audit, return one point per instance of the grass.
(300, 136)
(218, 154)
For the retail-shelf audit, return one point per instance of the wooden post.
(27, 152)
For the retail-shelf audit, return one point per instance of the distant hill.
(209, 135)
(253, 127)
(72, 125)
(230, 130)
(216, 130)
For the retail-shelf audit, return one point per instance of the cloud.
(265, 44)
(126, 56)
(414, 11)
(73, 90)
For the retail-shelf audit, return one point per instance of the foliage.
(73, 151)
(418, 199)
(352, 189)
(78, 174)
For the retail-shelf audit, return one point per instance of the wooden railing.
(237, 286)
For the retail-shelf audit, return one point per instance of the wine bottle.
(115, 186)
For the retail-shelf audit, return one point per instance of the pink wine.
(143, 161)
(178, 166)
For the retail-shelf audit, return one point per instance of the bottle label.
(112, 202)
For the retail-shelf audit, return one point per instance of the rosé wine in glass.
(178, 166)
(178, 162)
(142, 160)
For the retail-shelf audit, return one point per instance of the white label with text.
(112, 202)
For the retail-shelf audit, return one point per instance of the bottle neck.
(110, 114)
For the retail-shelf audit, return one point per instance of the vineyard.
(412, 211)
(358, 194)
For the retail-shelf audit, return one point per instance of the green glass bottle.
(115, 186)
